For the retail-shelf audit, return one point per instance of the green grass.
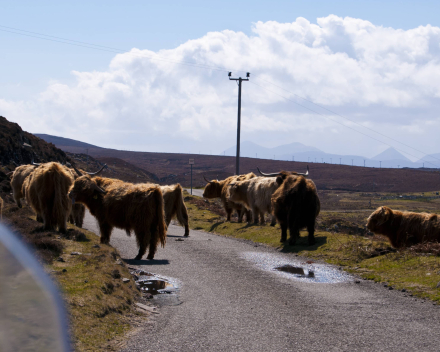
(99, 305)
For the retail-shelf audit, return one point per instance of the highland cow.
(130, 207)
(404, 228)
(175, 206)
(296, 205)
(46, 190)
(255, 194)
(219, 189)
(18, 176)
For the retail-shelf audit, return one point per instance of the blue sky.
(385, 81)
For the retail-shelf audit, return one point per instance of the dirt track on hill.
(230, 299)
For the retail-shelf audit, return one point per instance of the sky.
(343, 76)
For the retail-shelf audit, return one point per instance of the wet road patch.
(153, 284)
(305, 271)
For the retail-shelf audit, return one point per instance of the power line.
(327, 117)
(105, 48)
(346, 118)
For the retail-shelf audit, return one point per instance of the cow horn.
(77, 171)
(99, 171)
(207, 180)
(268, 175)
(99, 189)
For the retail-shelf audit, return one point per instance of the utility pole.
(351, 162)
(364, 162)
(340, 161)
(331, 162)
(239, 79)
(293, 158)
(380, 166)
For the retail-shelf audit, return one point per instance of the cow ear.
(386, 212)
(279, 180)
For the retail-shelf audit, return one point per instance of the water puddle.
(154, 284)
(305, 271)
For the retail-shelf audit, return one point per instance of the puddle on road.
(305, 271)
(154, 284)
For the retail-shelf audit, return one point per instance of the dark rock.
(86, 281)
(116, 274)
(403, 290)
(96, 246)
(148, 296)
(125, 280)
(60, 259)
(64, 270)
(357, 282)
(390, 288)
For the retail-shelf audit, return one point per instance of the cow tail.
(181, 212)
(159, 219)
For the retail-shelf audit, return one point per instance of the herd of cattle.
(59, 193)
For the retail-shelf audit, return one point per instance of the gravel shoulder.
(226, 302)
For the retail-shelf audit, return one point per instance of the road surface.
(231, 299)
(195, 192)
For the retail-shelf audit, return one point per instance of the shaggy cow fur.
(1, 208)
(296, 205)
(255, 194)
(126, 206)
(219, 189)
(46, 190)
(18, 177)
(404, 228)
(175, 206)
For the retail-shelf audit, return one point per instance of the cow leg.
(262, 220)
(293, 229)
(106, 231)
(248, 216)
(274, 220)
(153, 247)
(228, 213)
(255, 215)
(311, 231)
(39, 218)
(142, 239)
(240, 213)
(17, 201)
(283, 226)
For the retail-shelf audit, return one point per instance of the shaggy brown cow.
(46, 190)
(126, 206)
(175, 206)
(19, 175)
(1, 208)
(255, 194)
(219, 189)
(404, 228)
(296, 205)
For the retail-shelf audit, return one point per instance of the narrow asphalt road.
(231, 299)
(195, 192)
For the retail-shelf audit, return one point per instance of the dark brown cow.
(296, 205)
(77, 214)
(219, 189)
(404, 228)
(130, 207)
(46, 190)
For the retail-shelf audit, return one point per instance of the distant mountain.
(390, 158)
(430, 160)
(391, 154)
(253, 150)
(64, 142)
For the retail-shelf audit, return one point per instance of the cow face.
(212, 190)
(236, 192)
(85, 190)
(379, 217)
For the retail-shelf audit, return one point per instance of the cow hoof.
(283, 240)
(138, 257)
(272, 224)
(186, 235)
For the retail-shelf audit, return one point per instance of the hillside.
(19, 147)
(65, 142)
(173, 168)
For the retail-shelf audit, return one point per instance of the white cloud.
(383, 77)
